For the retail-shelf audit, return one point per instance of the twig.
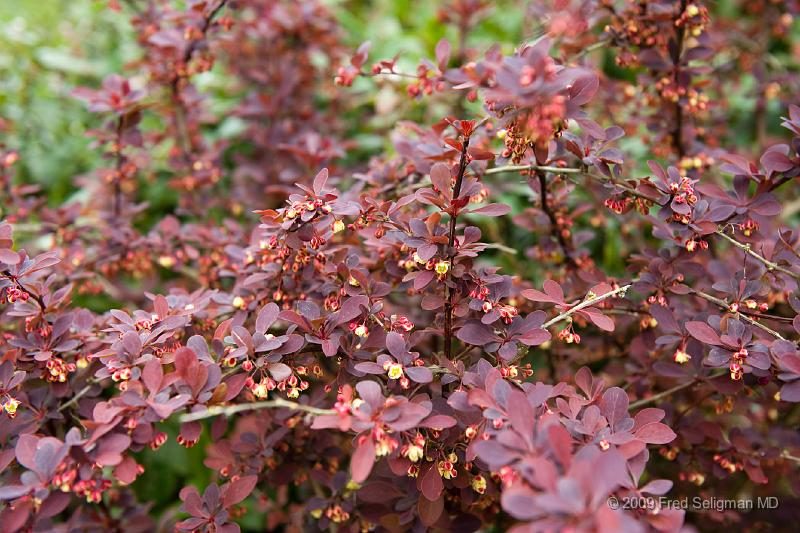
(790, 457)
(277, 403)
(748, 249)
(677, 388)
(180, 120)
(725, 305)
(586, 303)
(518, 168)
(117, 195)
(677, 51)
(450, 294)
(74, 400)
(388, 73)
(591, 48)
(568, 170)
(502, 248)
(554, 227)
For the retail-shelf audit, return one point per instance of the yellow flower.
(414, 453)
(261, 390)
(338, 226)
(385, 446)
(11, 407)
(446, 470)
(395, 371)
(442, 267)
(681, 357)
(479, 484)
(361, 331)
(238, 302)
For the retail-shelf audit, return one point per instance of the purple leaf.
(267, 316)
(432, 485)
(442, 53)
(152, 375)
(477, 334)
(655, 433)
(703, 332)
(420, 374)
(319, 181)
(430, 511)
(396, 344)
(492, 210)
(614, 405)
(8, 256)
(362, 460)
(239, 490)
(583, 89)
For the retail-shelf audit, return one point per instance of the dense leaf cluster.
(359, 359)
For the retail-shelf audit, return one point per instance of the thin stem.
(180, 119)
(624, 186)
(748, 249)
(677, 51)
(37, 298)
(543, 168)
(502, 248)
(790, 457)
(591, 48)
(74, 400)
(724, 305)
(277, 403)
(187, 56)
(558, 170)
(669, 392)
(117, 198)
(554, 227)
(586, 303)
(389, 73)
(451, 239)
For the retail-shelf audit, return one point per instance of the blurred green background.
(50, 47)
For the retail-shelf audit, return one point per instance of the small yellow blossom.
(681, 357)
(479, 484)
(395, 371)
(10, 407)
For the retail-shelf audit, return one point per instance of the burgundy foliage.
(357, 358)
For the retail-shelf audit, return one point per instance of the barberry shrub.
(576, 285)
